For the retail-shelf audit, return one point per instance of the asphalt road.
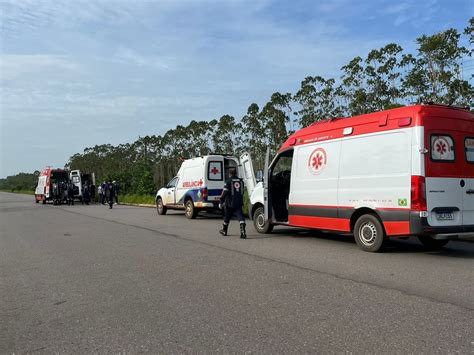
(88, 279)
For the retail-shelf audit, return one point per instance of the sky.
(78, 73)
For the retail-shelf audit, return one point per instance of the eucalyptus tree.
(318, 99)
(227, 135)
(254, 137)
(276, 118)
(437, 73)
(384, 74)
(353, 88)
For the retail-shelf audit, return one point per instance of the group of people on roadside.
(65, 191)
(108, 193)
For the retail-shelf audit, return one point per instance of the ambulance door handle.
(462, 183)
(470, 192)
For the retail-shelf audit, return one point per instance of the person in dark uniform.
(93, 193)
(110, 193)
(86, 193)
(117, 190)
(70, 194)
(232, 199)
(63, 192)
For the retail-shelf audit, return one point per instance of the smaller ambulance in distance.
(199, 183)
(46, 179)
(402, 172)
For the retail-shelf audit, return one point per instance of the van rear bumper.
(207, 205)
(419, 226)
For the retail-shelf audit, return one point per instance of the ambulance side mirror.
(259, 176)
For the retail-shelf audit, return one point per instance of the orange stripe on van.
(397, 227)
(334, 224)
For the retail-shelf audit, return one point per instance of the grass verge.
(19, 191)
(138, 199)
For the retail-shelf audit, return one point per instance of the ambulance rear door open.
(247, 172)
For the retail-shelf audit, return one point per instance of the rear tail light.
(204, 193)
(418, 193)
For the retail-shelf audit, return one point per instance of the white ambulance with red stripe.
(396, 173)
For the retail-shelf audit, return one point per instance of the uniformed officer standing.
(232, 199)
(110, 193)
(70, 193)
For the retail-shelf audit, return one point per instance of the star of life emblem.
(317, 161)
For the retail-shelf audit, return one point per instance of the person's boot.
(243, 235)
(223, 231)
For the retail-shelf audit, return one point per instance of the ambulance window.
(469, 147)
(442, 148)
(172, 183)
(75, 179)
(283, 163)
(214, 171)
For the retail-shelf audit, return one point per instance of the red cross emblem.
(317, 161)
(215, 171)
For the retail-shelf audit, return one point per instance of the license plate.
(444, 216)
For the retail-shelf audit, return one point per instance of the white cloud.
(411, 13)
(128, 56)
(13, 66)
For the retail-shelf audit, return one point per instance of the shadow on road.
(455, 248)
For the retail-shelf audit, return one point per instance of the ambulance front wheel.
(189, 209)
(160, 208)
(369, 233)
(259, 221)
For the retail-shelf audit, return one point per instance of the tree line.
(387, 77)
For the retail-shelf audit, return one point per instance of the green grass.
(149, 199)
(19, 191)
(138, 199)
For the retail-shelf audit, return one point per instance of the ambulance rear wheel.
(160, 208)
(431, 243)
(44, 201)
(189, 209)
(259, 221)
(369, 233)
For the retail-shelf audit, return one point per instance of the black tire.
(431, 243)
(160, 208)
(189, 210)
(44, 201)
(369, 233)
(36, 200)
(259, 223)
